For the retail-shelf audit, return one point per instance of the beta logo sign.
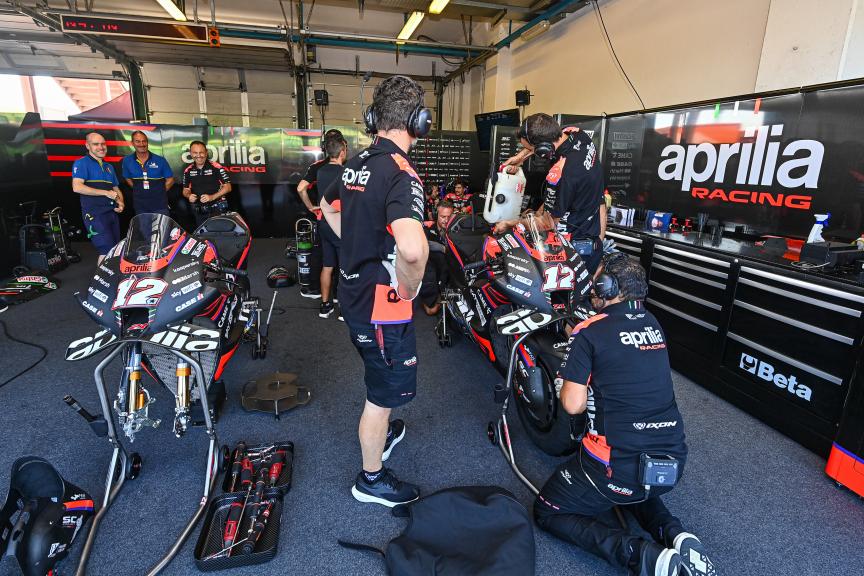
(766, 372)
(728, 171)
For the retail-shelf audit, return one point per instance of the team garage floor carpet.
(759, 501)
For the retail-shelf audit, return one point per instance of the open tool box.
(242, 526)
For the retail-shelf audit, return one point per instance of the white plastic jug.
(504, 202)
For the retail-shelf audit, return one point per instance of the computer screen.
(485, 122)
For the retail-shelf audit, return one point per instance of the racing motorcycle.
(504, 286)
(174, 306)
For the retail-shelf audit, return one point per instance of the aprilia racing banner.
(770, 163)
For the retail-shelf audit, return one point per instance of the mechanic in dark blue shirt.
(616, 370)
(149, 176)
(101, 200)
(381, 264)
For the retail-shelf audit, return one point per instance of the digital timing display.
(180, 31)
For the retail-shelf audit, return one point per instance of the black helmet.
(48, 514)
(280, 277)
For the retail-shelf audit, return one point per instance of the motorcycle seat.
(229, 236)
(468, 232)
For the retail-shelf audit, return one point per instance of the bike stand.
(124, 466)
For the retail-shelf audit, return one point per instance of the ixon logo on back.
(766, 372)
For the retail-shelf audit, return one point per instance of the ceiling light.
(537, 30)
(172, 9)
(411, 25)
(437, 6)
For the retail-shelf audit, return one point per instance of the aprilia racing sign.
(236, 156)
(728, 172)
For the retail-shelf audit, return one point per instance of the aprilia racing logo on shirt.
(648, 339)
(760, 163)
(356, 179)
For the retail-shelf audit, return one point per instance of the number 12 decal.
(133, 292)
(559, 277)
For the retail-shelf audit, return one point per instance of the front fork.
(133, 400)
(181, 408)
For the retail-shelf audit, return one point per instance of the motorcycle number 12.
(558, 277)
(134, 292)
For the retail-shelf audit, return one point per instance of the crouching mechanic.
(382, 259)
(617, 367)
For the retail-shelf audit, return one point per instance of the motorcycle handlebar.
(234, 271)
(474, 266)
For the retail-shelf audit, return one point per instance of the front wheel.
(548, 426)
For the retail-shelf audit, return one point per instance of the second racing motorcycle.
(521, 277)
(173, 306)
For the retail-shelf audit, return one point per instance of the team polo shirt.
(378, 186)
(314, 191)
(460, 203)
(96, 174)
(148, 181)
(205, 180)
(574, 186)
(621, 355)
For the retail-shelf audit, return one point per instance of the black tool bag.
(469, 530)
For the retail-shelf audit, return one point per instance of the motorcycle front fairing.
(151, 279)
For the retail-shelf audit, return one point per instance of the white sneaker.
(694, 560)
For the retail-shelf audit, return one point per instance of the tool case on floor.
(210, 541)
(210, 550)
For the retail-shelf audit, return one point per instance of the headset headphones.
(418, 125)
(328, 135)
(542, 148)
(606, 285)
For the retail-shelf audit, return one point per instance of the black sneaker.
(395, 434)
(387, 490)
(309, 293)
(694, 560)
(655, 560)
(326, 310)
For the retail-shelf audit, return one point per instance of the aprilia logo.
(648, 339)
(241, 157)
(620, 490)
(766, 372)
(356, 179)
(759, 163)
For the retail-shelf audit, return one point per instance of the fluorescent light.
(437, 6)
(540, 28)
(411, 25)
(172, 9)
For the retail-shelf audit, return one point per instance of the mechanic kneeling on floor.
(617, 368)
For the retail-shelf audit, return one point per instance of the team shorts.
(103, 230)
(329, 245)
(391, 375)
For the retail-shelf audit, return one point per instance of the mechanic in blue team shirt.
(101, 200)
(149, 176)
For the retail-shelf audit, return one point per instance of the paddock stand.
(499, 432)
(125, 466)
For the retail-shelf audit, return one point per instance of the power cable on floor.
(25, 343)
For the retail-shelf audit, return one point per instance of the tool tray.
(210, 541)
(283, 484)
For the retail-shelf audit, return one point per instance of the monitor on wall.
(485, 122)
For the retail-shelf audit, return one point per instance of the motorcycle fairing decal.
(525, 320)
(485, 290)
(525, 356)
(127, 267)
(88, 346)
(484, 344)
(455, 253)
(491, 248)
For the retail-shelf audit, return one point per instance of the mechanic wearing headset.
(573, 192)
(382, 259)
(616, 367)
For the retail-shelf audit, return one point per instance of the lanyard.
(379, 337)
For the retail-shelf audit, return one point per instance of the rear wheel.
(542, 416)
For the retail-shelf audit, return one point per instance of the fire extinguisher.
(304, 230)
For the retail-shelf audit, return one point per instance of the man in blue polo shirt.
(149, 176)
(101, 199)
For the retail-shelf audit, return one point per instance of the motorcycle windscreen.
(153, 240)
(563, 269)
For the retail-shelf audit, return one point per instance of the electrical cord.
(25, 343)
(609, 42)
